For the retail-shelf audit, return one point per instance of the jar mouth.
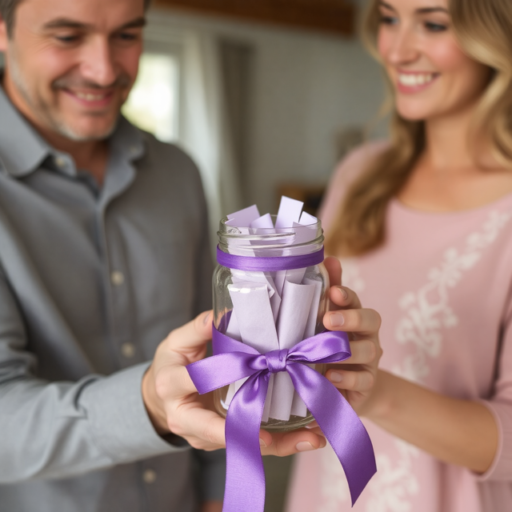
(246, 240)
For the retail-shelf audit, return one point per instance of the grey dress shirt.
(91, 280)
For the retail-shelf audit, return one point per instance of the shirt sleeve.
(500, 405)
(61, 429)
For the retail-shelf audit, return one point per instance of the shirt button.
(117, 278)
(149, 476)
(60, 161)
(128, 350)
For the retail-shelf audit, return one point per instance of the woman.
(423, 224)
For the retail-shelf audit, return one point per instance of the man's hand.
(356, 376)
(211, 506)
(174, 405)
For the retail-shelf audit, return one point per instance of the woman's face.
(431, 75)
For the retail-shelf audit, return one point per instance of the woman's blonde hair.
(484, 32)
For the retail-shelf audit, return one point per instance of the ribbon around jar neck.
(232, 361)
(269, 264)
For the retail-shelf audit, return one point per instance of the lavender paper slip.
(298, 406)
(295, 310)
(251, 305)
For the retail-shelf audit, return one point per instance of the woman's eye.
(388, 20)
(435, 27)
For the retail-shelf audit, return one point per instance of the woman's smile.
(411, 82)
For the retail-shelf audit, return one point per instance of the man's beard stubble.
(44, 112)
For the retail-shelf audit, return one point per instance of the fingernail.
(262, 443)
(335, 377)
(337, 319)
(344, 293)
(304, 446)
(206, 319)
(313, 424)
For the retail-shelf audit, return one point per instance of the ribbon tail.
(245, 475)
(340, 424)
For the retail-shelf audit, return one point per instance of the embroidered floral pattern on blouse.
(428, 310)
(427, 314)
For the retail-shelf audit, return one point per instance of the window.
(153, 104)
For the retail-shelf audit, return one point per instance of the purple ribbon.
(232, 361)
(269, 264)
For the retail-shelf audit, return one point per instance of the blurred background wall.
(280, 103)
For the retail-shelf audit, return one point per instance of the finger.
(205, 426)
(199, 444)
(192, 336)
(317, 431)
(351, 381)
(174, 382)
(333, 267)
(344, 297)
(288, 443)
(363, 321)
(363, 352)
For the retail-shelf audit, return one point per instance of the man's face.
(70, 64)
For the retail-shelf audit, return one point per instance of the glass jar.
(271, 310)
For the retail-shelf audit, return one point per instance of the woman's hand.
(174, 406)
(356, 376)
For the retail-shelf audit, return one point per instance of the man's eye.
(67, 39)
(435, 27)
(388, 20)
(126, 36)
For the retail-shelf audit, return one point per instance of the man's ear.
(3, 35)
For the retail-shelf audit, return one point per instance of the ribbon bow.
(232, 361)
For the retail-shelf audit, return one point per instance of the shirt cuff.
(501, 467)
(119, 421)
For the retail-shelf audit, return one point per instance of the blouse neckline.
(399, 206)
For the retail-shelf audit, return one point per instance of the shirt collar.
(127, 140)
(22, 149)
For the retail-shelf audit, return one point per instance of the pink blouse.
(442, 284)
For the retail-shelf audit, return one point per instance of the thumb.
(193, 335)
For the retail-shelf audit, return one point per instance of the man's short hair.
(8, 7)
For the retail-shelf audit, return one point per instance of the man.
(103, 251)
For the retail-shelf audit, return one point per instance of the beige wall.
(306, 87)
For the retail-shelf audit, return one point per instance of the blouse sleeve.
(345, 173)
(500, 405)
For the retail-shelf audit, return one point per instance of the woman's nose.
(404, 48)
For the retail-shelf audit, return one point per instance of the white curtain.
(205, 131)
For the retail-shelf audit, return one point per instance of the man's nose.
(98, 64)
(404, 48)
